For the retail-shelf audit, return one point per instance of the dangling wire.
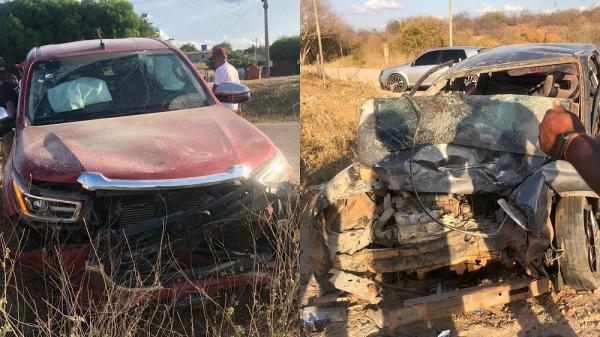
(412, 180)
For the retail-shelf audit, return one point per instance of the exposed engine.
(403, 221)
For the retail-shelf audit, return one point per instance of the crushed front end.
(170, 240)
(448, 192)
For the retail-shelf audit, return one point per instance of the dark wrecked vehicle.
(122, 158)
(454, 179)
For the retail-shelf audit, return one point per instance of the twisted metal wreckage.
(455, 180)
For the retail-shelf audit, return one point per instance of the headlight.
(275, 171)
(44, 208)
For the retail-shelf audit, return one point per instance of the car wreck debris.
(480, 193)
(457, 201)
(360, 287)
(432, 307)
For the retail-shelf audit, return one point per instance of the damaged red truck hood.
(165, 145)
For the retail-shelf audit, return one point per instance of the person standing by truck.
(224, 72)
(8, 95)
(8, 101)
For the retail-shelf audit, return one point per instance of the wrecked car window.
(560, 80)
(110, 85)
(502, 122)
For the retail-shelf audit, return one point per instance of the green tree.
(147, 28)
(286, 48)
(188, 47)
(416, 34)
(25, 24)
(239, 58)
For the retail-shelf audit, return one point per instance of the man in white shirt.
(224, 72)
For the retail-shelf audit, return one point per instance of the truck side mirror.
(230, 92)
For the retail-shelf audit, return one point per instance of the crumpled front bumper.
(179, 263)
(92, 286)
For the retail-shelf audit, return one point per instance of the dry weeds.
(373, 58)
(48, 304)
(329, 122)
(273, 99)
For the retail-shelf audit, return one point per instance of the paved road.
(286, 135)
(368, 76)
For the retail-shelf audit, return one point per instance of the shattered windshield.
(109, 85)
(501, 122)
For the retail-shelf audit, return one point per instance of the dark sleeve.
(7, 94)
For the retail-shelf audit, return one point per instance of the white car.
(400, 77)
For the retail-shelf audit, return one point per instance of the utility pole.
(450, 20)
(314, 3)
(256, 50)
(267, 56)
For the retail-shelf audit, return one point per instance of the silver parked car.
(398, 78)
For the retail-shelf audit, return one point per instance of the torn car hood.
(465, 144)
(165, 145)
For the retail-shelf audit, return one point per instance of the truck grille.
(132, 208)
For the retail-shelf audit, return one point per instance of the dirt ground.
(329, 118)
(556, 314)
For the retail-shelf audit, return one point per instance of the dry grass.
(373, 59)
(35, 304)
(365, 48)
(329, 119)
(273, 99)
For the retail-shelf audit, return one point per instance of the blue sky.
(371, 14)
(239, 22)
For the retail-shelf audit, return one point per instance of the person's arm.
(10, 98)
(581, 150)
(11, 108)
(584, 154)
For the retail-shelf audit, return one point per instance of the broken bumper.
(93, 285)
(157, 240)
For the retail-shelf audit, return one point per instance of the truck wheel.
(578, 234)
(397, 83)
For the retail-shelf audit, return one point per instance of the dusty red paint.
(87, 47)
(164, 145)
(175, 144)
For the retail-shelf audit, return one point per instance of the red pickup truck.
(122, 157)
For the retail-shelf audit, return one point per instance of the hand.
(555, 122)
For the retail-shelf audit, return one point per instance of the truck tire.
(577, 235)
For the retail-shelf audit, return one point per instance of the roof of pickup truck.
(87, 47)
